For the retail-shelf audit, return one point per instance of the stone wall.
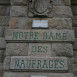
(17, 14)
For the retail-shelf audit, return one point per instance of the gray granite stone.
(21, 63)
(40, 49)
(53, 23)
(2, 43)
(34, 35)
(62, 11)
(18, 2)
(18, 11)
(62, 49)
(17, 49)
(28, 74)
(6, 63)
(1, 56)
(61, 2)
(4, 10)
(4, 20)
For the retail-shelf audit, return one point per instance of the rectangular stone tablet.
(41, 35)
(40, 49)
(40, 24)
(21, 63)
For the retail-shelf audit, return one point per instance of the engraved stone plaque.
(40, 24)
(28, 63)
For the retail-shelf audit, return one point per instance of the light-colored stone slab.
(62, 49)
(62, 11)
(28, 74)
(2, 43)
(34, 35)
(40, 24)
(20, 11)
(53, 23)
(18, 2)
(39, 49)
(4, 20)
(38, 64)
(17, 49)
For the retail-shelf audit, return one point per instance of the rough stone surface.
(75, 44)
(20, 11)
(1, 31)
(18, 2)
(53, 23)
(28, 74)
(62, 11)
(2, 43)
(6, 64)
(61, 2)
(62, 49)
(34, 35)
(17, 49)
(76, 32)
(1, 55)
(40, 49)
(4, 20)
(4, 10)
(45, 63)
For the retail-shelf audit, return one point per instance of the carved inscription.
(28, 63)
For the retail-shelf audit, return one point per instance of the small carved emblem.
(40, 7)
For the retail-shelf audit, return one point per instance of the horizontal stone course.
(16, 49)
(55, 2)
(21, 63)
(53, 23)
(34, 35)
(59, 11)
(28, 74)
(62, 49)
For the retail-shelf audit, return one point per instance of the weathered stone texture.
(20, 11)
(4, 20)
(1, 31)
(61, 2)
(4, 10)
(34, 35)
(75, 44)
(2, 43)
(6, 64)
(1, 70)
(62, 11)
(53, 23)
(18, 2)
(17, 49)
(40, 49)
(28, 74)
(62, 49)
(1, 56)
